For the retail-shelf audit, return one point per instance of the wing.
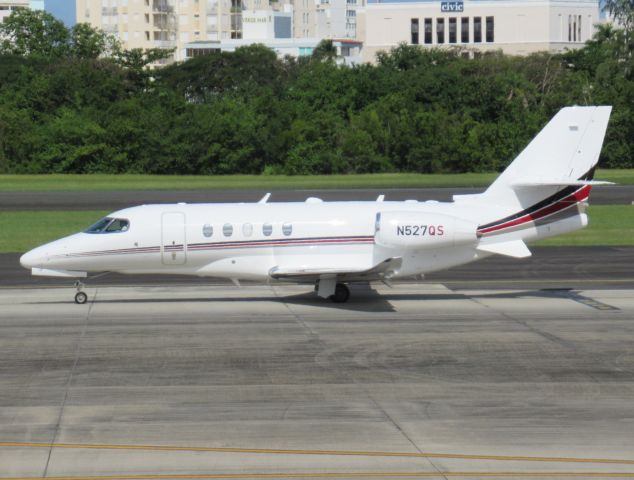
(380, 271)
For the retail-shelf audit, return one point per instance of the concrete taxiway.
(115, 200)
(549, 267)
(198, 381)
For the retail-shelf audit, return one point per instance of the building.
(61, 9)
(517, 27)
(337, 18)
(148, 23)
(175, 23)
(348, 51)
(8, 7)
(276, 30)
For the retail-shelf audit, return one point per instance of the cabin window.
(247, 229)
(208, 230)
(267, 229)
(287, 229)
(227, 229)
(109, 225)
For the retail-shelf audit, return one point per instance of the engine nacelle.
(418, 230)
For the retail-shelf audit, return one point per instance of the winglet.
(265, 198)
(513, 248)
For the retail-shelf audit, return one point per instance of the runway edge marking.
(174, 448)
(425, 474)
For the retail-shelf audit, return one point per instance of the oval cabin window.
(208, 230)
(227, 229)
(267, 229)
(247, 229)
(287, 229)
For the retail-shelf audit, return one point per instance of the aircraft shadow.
(363, 298)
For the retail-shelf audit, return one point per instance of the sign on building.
(452, 6)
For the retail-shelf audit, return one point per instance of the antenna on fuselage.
(265, 198)
(380, 198)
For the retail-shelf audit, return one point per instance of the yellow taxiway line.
(275, 451)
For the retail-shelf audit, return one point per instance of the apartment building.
(175, 23)
(170, 23)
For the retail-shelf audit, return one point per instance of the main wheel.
(81, 298)
(342, 294)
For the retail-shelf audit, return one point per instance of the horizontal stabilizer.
(45, 272)
(513, 248)
(558, 183)
(379, 271)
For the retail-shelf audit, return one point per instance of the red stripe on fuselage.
(573, 199)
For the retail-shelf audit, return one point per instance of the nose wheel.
(80, 296)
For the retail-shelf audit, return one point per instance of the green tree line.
(73, 101)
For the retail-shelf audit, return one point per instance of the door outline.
(174, 235)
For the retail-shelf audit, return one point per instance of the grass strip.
(30, 183)
(23, 230)
(608, 225)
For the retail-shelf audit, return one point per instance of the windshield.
(109, 225)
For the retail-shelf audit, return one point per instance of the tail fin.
(565, 152)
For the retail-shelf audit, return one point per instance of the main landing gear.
(80, 296)
(341, 295)
(329, 288)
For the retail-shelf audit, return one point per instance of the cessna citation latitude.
(542, 193)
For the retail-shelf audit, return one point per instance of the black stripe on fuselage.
(561, 194)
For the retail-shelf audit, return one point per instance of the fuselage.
(247, 241)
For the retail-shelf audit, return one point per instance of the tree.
(136, 61)
(88, 42)
(622, 11)
(33, 33)
(325, 51)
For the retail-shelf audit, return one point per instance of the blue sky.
(62, 9)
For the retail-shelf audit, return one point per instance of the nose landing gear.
(80, 296)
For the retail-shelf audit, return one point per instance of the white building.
(348, 51)
(275, 30)
(337, 18)
(8, 7)
(514, 26)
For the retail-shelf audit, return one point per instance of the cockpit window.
(109, 225)
(118, 225)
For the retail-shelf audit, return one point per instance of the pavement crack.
(314, 336)
(400, 429)
(68, 386)
(552, 338)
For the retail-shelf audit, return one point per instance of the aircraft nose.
(32, 258)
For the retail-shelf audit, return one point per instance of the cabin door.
(173, 243)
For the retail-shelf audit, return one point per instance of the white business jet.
(542, 193)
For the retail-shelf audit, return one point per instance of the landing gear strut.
(80, 296)
(341, 295)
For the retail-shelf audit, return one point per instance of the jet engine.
(419, 230)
